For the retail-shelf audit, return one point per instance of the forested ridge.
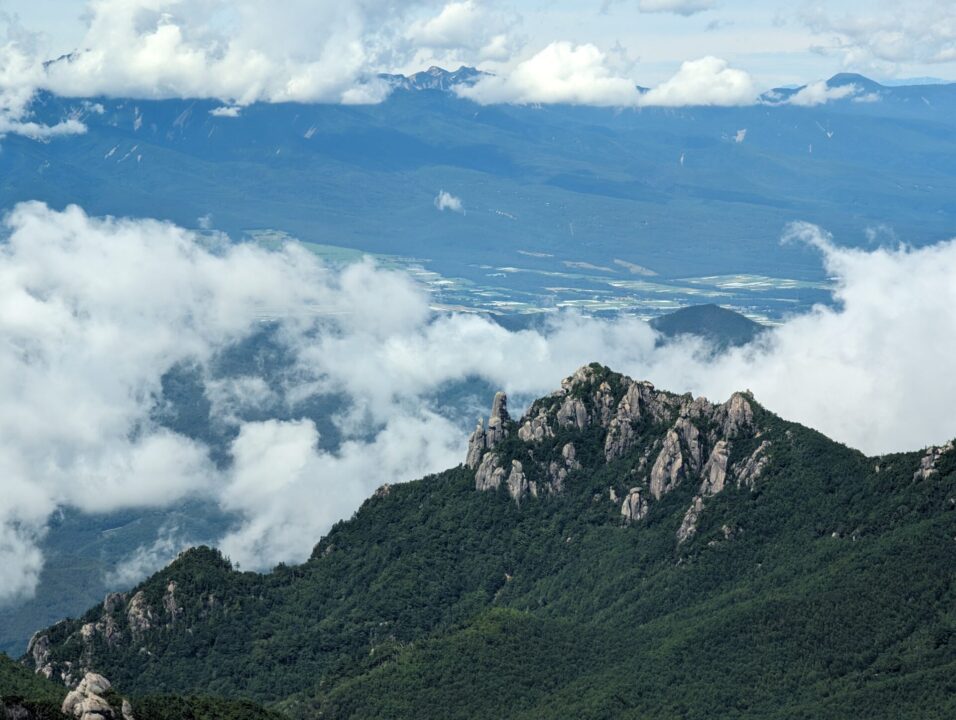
(824, 588)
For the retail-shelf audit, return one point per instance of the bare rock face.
(573, 414)
(692, 441)
(139, 616)
(537, 428)
(736, 416)
(688, 526)
(489, 474)
(714, 475)
(86, 702)
(639, 403)
(753, 467)
(668, 469)
(927, 463)
(39, 649)
(558, 471)
(170, 604)
(485, 439)
(634, 507)
(518, 484)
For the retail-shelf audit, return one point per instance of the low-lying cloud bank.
(93, 313)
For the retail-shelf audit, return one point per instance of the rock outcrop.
(753, 467)
(87, 701)
(927, 463)
(483, 439)
(635, 506)
(660, 440)
(688, 526)
(124, 620)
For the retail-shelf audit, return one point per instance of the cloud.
(819, 93)
(19, 77)
(288, 493)
(583, 74)
(467, 26)
(707, 81)
(678, 7)
(886, 36)
(241, 52)
(94, 312)
(147, 559)
(230, 111)
(226, 50)
(447, 201)
(740, 135)
(560, 73)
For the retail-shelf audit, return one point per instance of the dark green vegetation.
(721, 327)
(828, 590)
(27, 696)
(81, 552)
(173, 707)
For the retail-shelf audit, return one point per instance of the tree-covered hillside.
(25, 695)
(634, 554)
(723, 328)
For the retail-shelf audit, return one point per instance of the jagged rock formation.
(678, 436)
(482, 439)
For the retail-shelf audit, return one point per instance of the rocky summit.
(682, 439)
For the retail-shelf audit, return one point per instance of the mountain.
(721, 327)
(27, 696)
(434, 78)
(618, 551)
(559, 204)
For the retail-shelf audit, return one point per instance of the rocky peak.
(485, 439)
(659, 438)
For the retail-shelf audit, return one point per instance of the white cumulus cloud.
(446, 201)
(472, 30)
(560, 73)
(707, 81)
(819, 93)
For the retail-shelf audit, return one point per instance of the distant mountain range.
(694, 196)
(618, 551)
(434, 78)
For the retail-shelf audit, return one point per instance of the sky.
(326, 50)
